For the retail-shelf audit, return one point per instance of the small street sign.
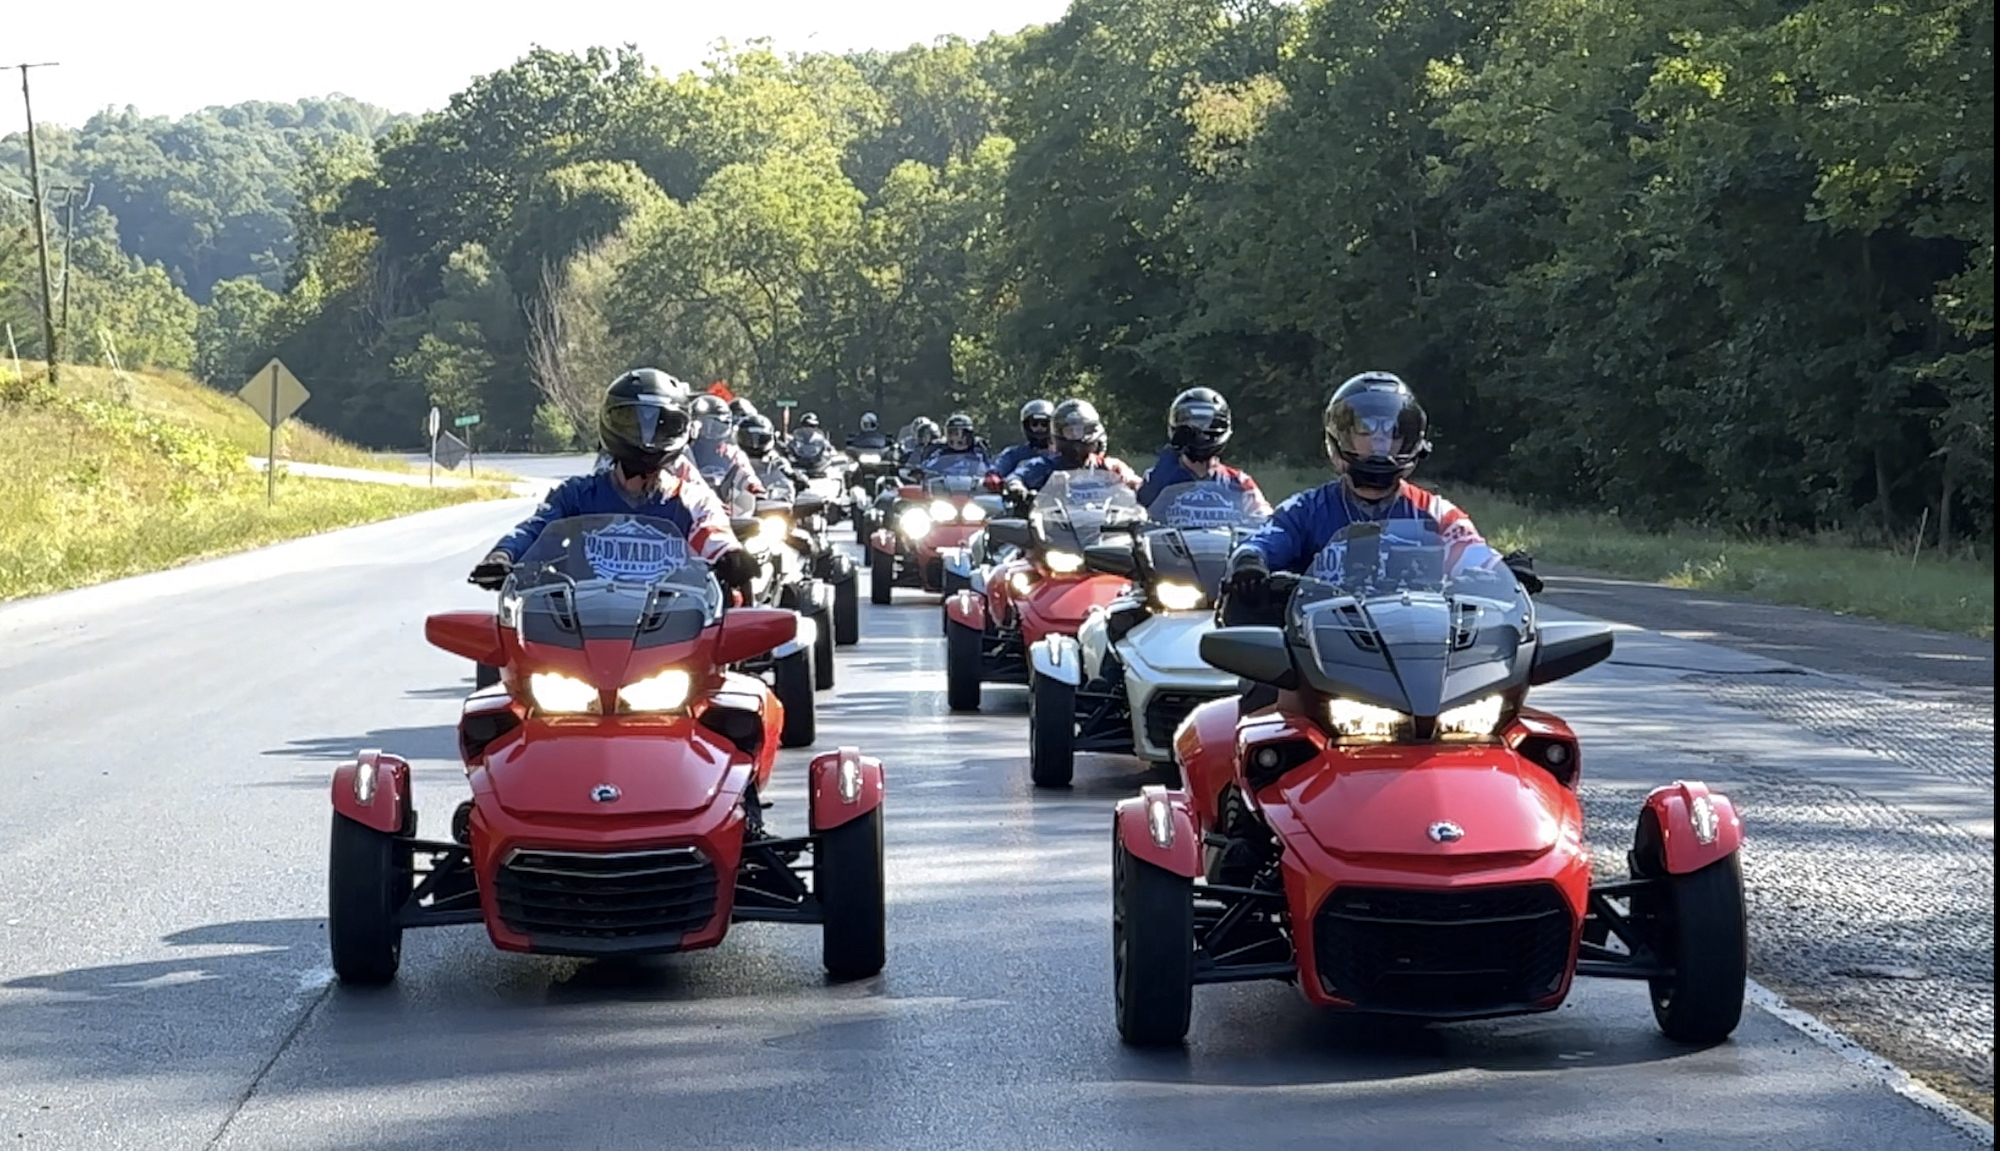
(464, 421)
(435, 422)
(788, 403)
(451, 451)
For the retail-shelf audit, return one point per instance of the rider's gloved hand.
(492, 571)
(1015, 492)
(1248, 576)
(738, 570)
(1523, 566)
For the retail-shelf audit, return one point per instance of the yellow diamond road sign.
(274, 393)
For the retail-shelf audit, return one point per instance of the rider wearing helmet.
(1197, 427)
(809, 447)
(1037, 424)
(643, 424)
(1079, 442)
(918, 440)
(741, 409)
(759, 442)
(714, 449)
(1375, 437)
(961, 442)
(870, 438)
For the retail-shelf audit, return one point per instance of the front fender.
(374, 791)
(844, 785)
(1696, 827)
(1157, 826)
(1058, 657)
(967, 609)
(803, 640)
(883, 540)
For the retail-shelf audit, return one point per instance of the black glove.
(492, 571)
(1015, 492)
(1248, 575)
(1523, 566)
(738, 569)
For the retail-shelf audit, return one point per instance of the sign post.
(274, 394)
(785, 416)
(468, 423)
(431, 424)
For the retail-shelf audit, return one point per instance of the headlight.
(663, 692)
(972, 513)
(1176, 596)
(870, 458)
(562, 694)
(1063, 563)
(914, 522)
(1021, 582)
(1364, 721)
(943, 512)
(773, 529)
(1481, 717)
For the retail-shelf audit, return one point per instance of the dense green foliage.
(1688, 261)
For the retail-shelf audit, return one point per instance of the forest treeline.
(1726, 262)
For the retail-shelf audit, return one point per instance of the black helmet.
(925, 431)
(1198, 423)
(1078, 431)
(712, 416)
(959, 432)
(741, 409)
(643, 421)
(869, 423)
(756, 436)
(1037, 419)
(809, 420)
(1375, 430)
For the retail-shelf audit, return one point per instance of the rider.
(961, 442)
(871, 437)
(809, 447)
(715, 453)
(920, 439)
(1037, 421)
(642, 423)
(1197, 427)
(759, 442)
(740, 409)
(1375, 437)
(1079, 441)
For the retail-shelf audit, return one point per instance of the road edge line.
(1891, 1076)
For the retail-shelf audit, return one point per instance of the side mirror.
(1111, 559)
(808, 504)
(743, 527)
(472, 634)
(748, 632)
(1563, 649)
(1010, 532)
(1258, 654)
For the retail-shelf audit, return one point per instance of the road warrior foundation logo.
(633, 550)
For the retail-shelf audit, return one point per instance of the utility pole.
(69, 240)
(52, 349)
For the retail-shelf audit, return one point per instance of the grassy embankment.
(117, 474)
(1947, 593)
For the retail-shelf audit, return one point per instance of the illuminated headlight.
(1021, 582)
(663, 692)
(972, 513)
(1481, 717)
(1176, 596)
(870, 457)
(914, 522)
(1063, 563)
(774, 529)
(561, 694)
(1364, 721)
(943, 512)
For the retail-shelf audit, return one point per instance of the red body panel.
(1134, 824)
(1675, 807)
(665, 771)
(386, 807)
(1057, 605)
(834, 802)
(967, 609)
(472, 634)
(1205, 747)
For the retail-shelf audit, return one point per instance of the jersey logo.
(630, 549)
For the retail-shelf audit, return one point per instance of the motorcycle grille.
(1166, 710)
(629, 899)
(1444, 953)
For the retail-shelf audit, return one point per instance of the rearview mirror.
(1258, 654)
(748, 632)
(1563, 649)
(472, 634)
(1011, 532)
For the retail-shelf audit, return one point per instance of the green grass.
(1946, 593)
(93, 489)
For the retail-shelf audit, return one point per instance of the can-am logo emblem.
(605, 793)
(630, 549)
(1445, 831)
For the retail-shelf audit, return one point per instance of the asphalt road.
(165, 745)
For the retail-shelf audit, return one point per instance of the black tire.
(861, 534)
(882, 580)
(847, 877)
(793, 676)
(823, 651)
(847, 610)
(484, 675)
(368, 881)
(1051, 731)
(962, 660)
(1705, 936)
(1152, 949)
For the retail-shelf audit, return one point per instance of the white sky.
(169, 58)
